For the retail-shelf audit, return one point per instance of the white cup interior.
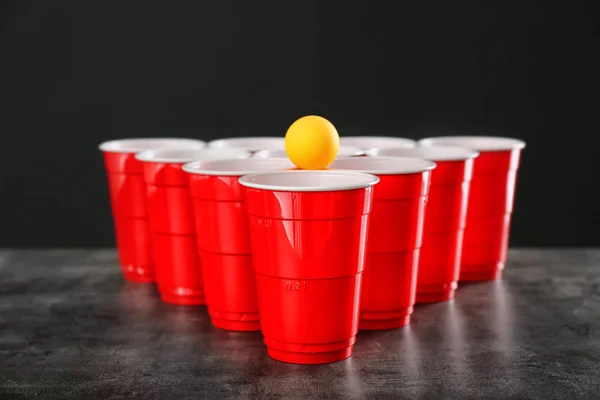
(309, 181)
(250, 143)
(237, 167)
(344, 151)
(383, 165)
(279, 153)
(480, 143)
(188, 155)
(372, 142)
(433, 153)
(139, 145)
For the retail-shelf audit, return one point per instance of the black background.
(75, 73)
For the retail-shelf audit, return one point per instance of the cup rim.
(137, 145)
(360, 181)
(392, 140)
(182, 156)
(372, 165)
(252, 143)
(268, 153)
(248, 165)
(432, 153)
(479, 143)
(350, 151)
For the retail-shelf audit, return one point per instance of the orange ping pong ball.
(312, 142)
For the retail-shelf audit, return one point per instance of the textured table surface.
(70, 326)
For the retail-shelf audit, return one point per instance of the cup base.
(183, 300)
(383, 324)
(436, 293)
(435, 297)
(310, 353)
(235, 326)
(309, 358)
(182, 296)
(240, 322)
(481, 273)
(139, 274)
(383, 320)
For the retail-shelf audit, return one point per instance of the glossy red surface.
(308, 253)
(396, 229)
(389, 288)
(170, 215)
(485, 248)
(445, 218)
(178, 272)
(230, 288)
(123, 162)
(221, 226)
(127, 195)
(128, 203)
(489, 214)
(134, 248)
(170, 209)
(495, 193)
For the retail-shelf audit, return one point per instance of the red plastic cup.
(390, 277)
(308, 231)
(252, 144)
(223, 239)
(128, 201)
(171, 221)
(445, 213)
(344, 151)
(376, 142)
(490, 203)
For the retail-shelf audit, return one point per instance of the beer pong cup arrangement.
(490, 203)
(128, 201)
(310, 257)
(171, 222)
(446, 210)
(394, 238)
(224, 240)
(308, 231)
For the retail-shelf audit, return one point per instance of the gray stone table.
(71, 327)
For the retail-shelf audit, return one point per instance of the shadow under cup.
(308, 231)
(128, 201)
(223, 239)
